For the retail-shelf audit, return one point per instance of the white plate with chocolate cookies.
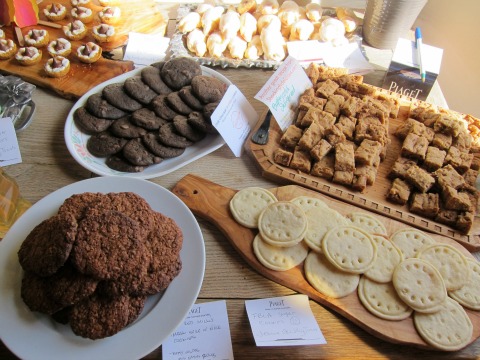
(32, 334)
(148, 122)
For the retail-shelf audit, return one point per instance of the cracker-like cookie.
(116, 95)
(419, 285)
(136, 153)
(153, 142)
(469, 294)
(328, 279)
(101, 108)
(105, 144)
(367, 222)
(410, 241)
(247, 204)
(88, 123)
(382, 300)
(279, 258)
(388, 256)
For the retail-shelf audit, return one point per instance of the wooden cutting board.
(211, 201)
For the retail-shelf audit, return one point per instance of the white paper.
(347, 56)
(9, 149)
(234, 118)
(282, 91)
(203, 335)
(307, 51)
(406, 53)
(145, 49)
(283, 321)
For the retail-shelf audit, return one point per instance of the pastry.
(196, 42)
(57, 66)
(301, 30)
(55, 12)
(314, 12)
(289, 13)
(248, 26)
(108, 2)
(247, 6)
(28, 55)
(103, 33)
(110, 15)
(211, 19)
(83, 14)
(37, 38)
(229, 24)
(89, 53)
(76, 30)
(272, 44)
(7, 49)
(268, 7)
(271, 21)
(216, 44)
(254, 48)
(189, 22)
(237, 47)
(60, 47)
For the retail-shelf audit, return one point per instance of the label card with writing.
(234, 118)
(145, 49)
(9, 149)
(282, 91)
(283, 321)
(203, 335)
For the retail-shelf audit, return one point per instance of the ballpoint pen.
(418, 43)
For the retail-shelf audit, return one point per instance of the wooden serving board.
(374, 197)
(211, 201)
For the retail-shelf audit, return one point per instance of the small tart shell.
(71, 36)
(88, 59)
(5, 55)
(27, 61)
(57, 73)
(64, 52)
(55, 17)
(102, 38)
(86, 18)
(37, 43)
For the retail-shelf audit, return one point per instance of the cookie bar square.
(347, 125)
(399, 192)
(460, 160)
(344, 157)
(367, 171)
(419, 178)
(447, 217)
(290, 137)
(343, 177)
(425, 204)
(448, 124)
(324, 167)
(400, 167)
(470, 176)
(455, 200)
(448, 176)
(282, 157)
(463, 141)
(301, 160)
(465, 221)
(368, 152)
(442, 141)
(350, 106)
(434, 158)
(414, 147)
(335, 135)
(333, 104)
(326, 88)
(371, 131)
(321, 149)
(311, 136)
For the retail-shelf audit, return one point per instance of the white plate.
(77, 141)
(35, 336)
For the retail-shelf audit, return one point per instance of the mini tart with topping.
(108, 2)
(29, 55)
(79, 2)
(89, 53)
(59, 47)
(82, 13)
(7, 49)
(55, 12)
(76, 30)
(37, 38)
(103, 33)
(57, 66)
(110, 15)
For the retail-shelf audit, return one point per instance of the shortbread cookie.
(279, 258)
(282, 224)
(469, 294)
(247, 204)
(410, 241)
(450, 262)
(448, 329)
(382, 300)
(419, 285)
(328, 279)
(350, 249)
(367, 222)
(388, 256)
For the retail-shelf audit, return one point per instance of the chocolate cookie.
(177, 104)
(208, 89)
(88, 123)
(153, 143)
(124, 128)
(137, 89)
(158, 64)
(47, 247)
(101, 108)
(179, 72)
(198, 121)
(105, 144)
(190, 99)
(186, 130)
(116, 95)
(160, 107)
(151, 76)
(147, 119)
(136, 153)
(169, 137)
(78, 203)
(35, 293)
(119, 163)
(209, 109)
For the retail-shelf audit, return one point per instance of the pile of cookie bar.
(152, 116)
(94, 263)
(406, 273)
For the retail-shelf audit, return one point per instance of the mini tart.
(37, 38)
(76, 30)
(7, 49)
(83, 14)
(103, 33)
(28, 55)
(55, 12)
(59, 47)
(79, 2)
(89, 53)
(108, 2)
(57, 66)
(110, 15)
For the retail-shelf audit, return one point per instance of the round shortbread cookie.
(388, 256)
(382, 300)
(469, 294)
(282, 223)
(419, 285)
(247, 204)
(321, 219)
(279, 258)
(410, 241)
(327, 279)
(450, 262)
(350, 249)
(367, 222)
(448, 329)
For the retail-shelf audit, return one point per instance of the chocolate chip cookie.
(190, 99)
(170, 137)
(151, 76)
(147, 119)
(101, 108)
(208, 89)
(140, 91)
(153, 143)
(88, 123)
(179, 72)
(116, 95)
(124, 128)
(182, 126)
(136, 153)
(105, 144)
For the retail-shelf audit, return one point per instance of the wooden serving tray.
(211, 201)
(374, 197)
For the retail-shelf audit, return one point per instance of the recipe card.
(283, 321)
(145, 49)
(203, 335)
(9, 149)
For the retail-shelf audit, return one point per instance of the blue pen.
(418, 43)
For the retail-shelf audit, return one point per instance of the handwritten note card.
(9, 149)
(203, 335)
(234, 118)
(283, 89)
(145, 49)
(283, 321)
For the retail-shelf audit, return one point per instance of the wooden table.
(47, 166)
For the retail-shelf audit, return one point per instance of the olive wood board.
(374, 196)
(210, 201)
